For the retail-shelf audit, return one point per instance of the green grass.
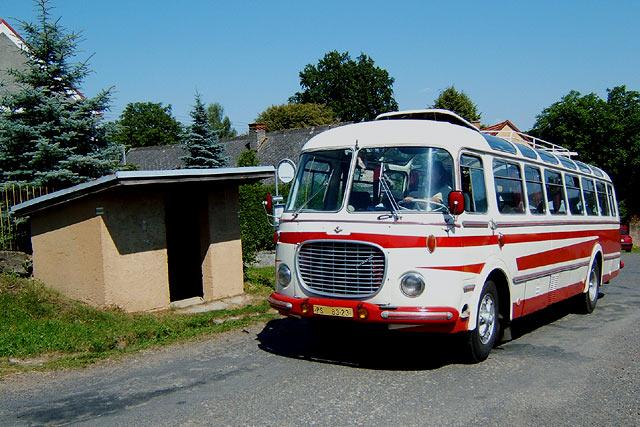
(41, 325)
(260, 280)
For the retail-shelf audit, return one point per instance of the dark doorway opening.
(184, 255)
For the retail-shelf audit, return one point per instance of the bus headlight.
(284, 275)
(412, 284)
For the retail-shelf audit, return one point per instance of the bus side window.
(473, 186)
(555, 193)
(602, 198)
(508, 186)
(612, 200)
(576, 207)
(589, 194)
(535, 195)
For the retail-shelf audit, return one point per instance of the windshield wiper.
(384, 186)
(313, 196)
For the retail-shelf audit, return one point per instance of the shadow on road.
(370, 347)
(362, 346)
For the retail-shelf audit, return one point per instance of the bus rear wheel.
(480, 341)
(588, 300)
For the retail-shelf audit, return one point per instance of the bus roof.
(414, 127)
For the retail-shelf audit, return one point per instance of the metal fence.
(12, 194)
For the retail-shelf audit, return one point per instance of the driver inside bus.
(440, 185)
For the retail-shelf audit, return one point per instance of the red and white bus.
(418, 220)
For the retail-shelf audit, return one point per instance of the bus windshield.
(321, 181)
(401, 178)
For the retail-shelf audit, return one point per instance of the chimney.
(476, 123)
(257, 134)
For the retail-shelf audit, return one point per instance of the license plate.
(323, 310)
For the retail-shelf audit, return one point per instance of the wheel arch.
(500, 279)
(596, 257)
(498, 273)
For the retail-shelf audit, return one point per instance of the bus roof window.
(528, 152)
(583, 166)
(500, 144)
(597, 171)
(547, 157)
(567, 163)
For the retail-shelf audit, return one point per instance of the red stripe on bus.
(609, 239)
(555, 256)
(607, 277)
(457, 242)
(469, 268)
(607, 236)
(539, 302)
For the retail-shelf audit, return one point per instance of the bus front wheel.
(480, 341)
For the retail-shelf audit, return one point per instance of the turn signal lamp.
(431, 243)
(305, 307)
(362, 313)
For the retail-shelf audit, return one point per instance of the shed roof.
(133, 178)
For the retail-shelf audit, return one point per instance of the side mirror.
(456, 202)
(268, 203)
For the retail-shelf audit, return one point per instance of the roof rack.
(532, 141)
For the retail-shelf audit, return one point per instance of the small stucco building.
(141, 240)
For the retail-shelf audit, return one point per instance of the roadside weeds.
(42, 329)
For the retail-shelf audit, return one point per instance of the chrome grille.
(341, 268)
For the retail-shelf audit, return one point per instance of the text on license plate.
(324, 310)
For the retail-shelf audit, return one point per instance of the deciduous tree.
(355, 90)
(290, 116)
(458, 102)
(604, 132)
(144, 124)
(220, 124)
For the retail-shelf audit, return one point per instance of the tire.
(480, 341)
(588, 300)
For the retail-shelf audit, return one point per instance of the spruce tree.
(50, 134)
(204, 149)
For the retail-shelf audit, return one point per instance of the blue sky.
(512, 58)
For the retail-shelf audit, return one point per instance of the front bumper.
(432, 319)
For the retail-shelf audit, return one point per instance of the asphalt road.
(561, 369)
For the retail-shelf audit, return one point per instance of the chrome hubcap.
(486, 318)
(593, 284)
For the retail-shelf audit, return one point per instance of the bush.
(256, 230)
(255, 226)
